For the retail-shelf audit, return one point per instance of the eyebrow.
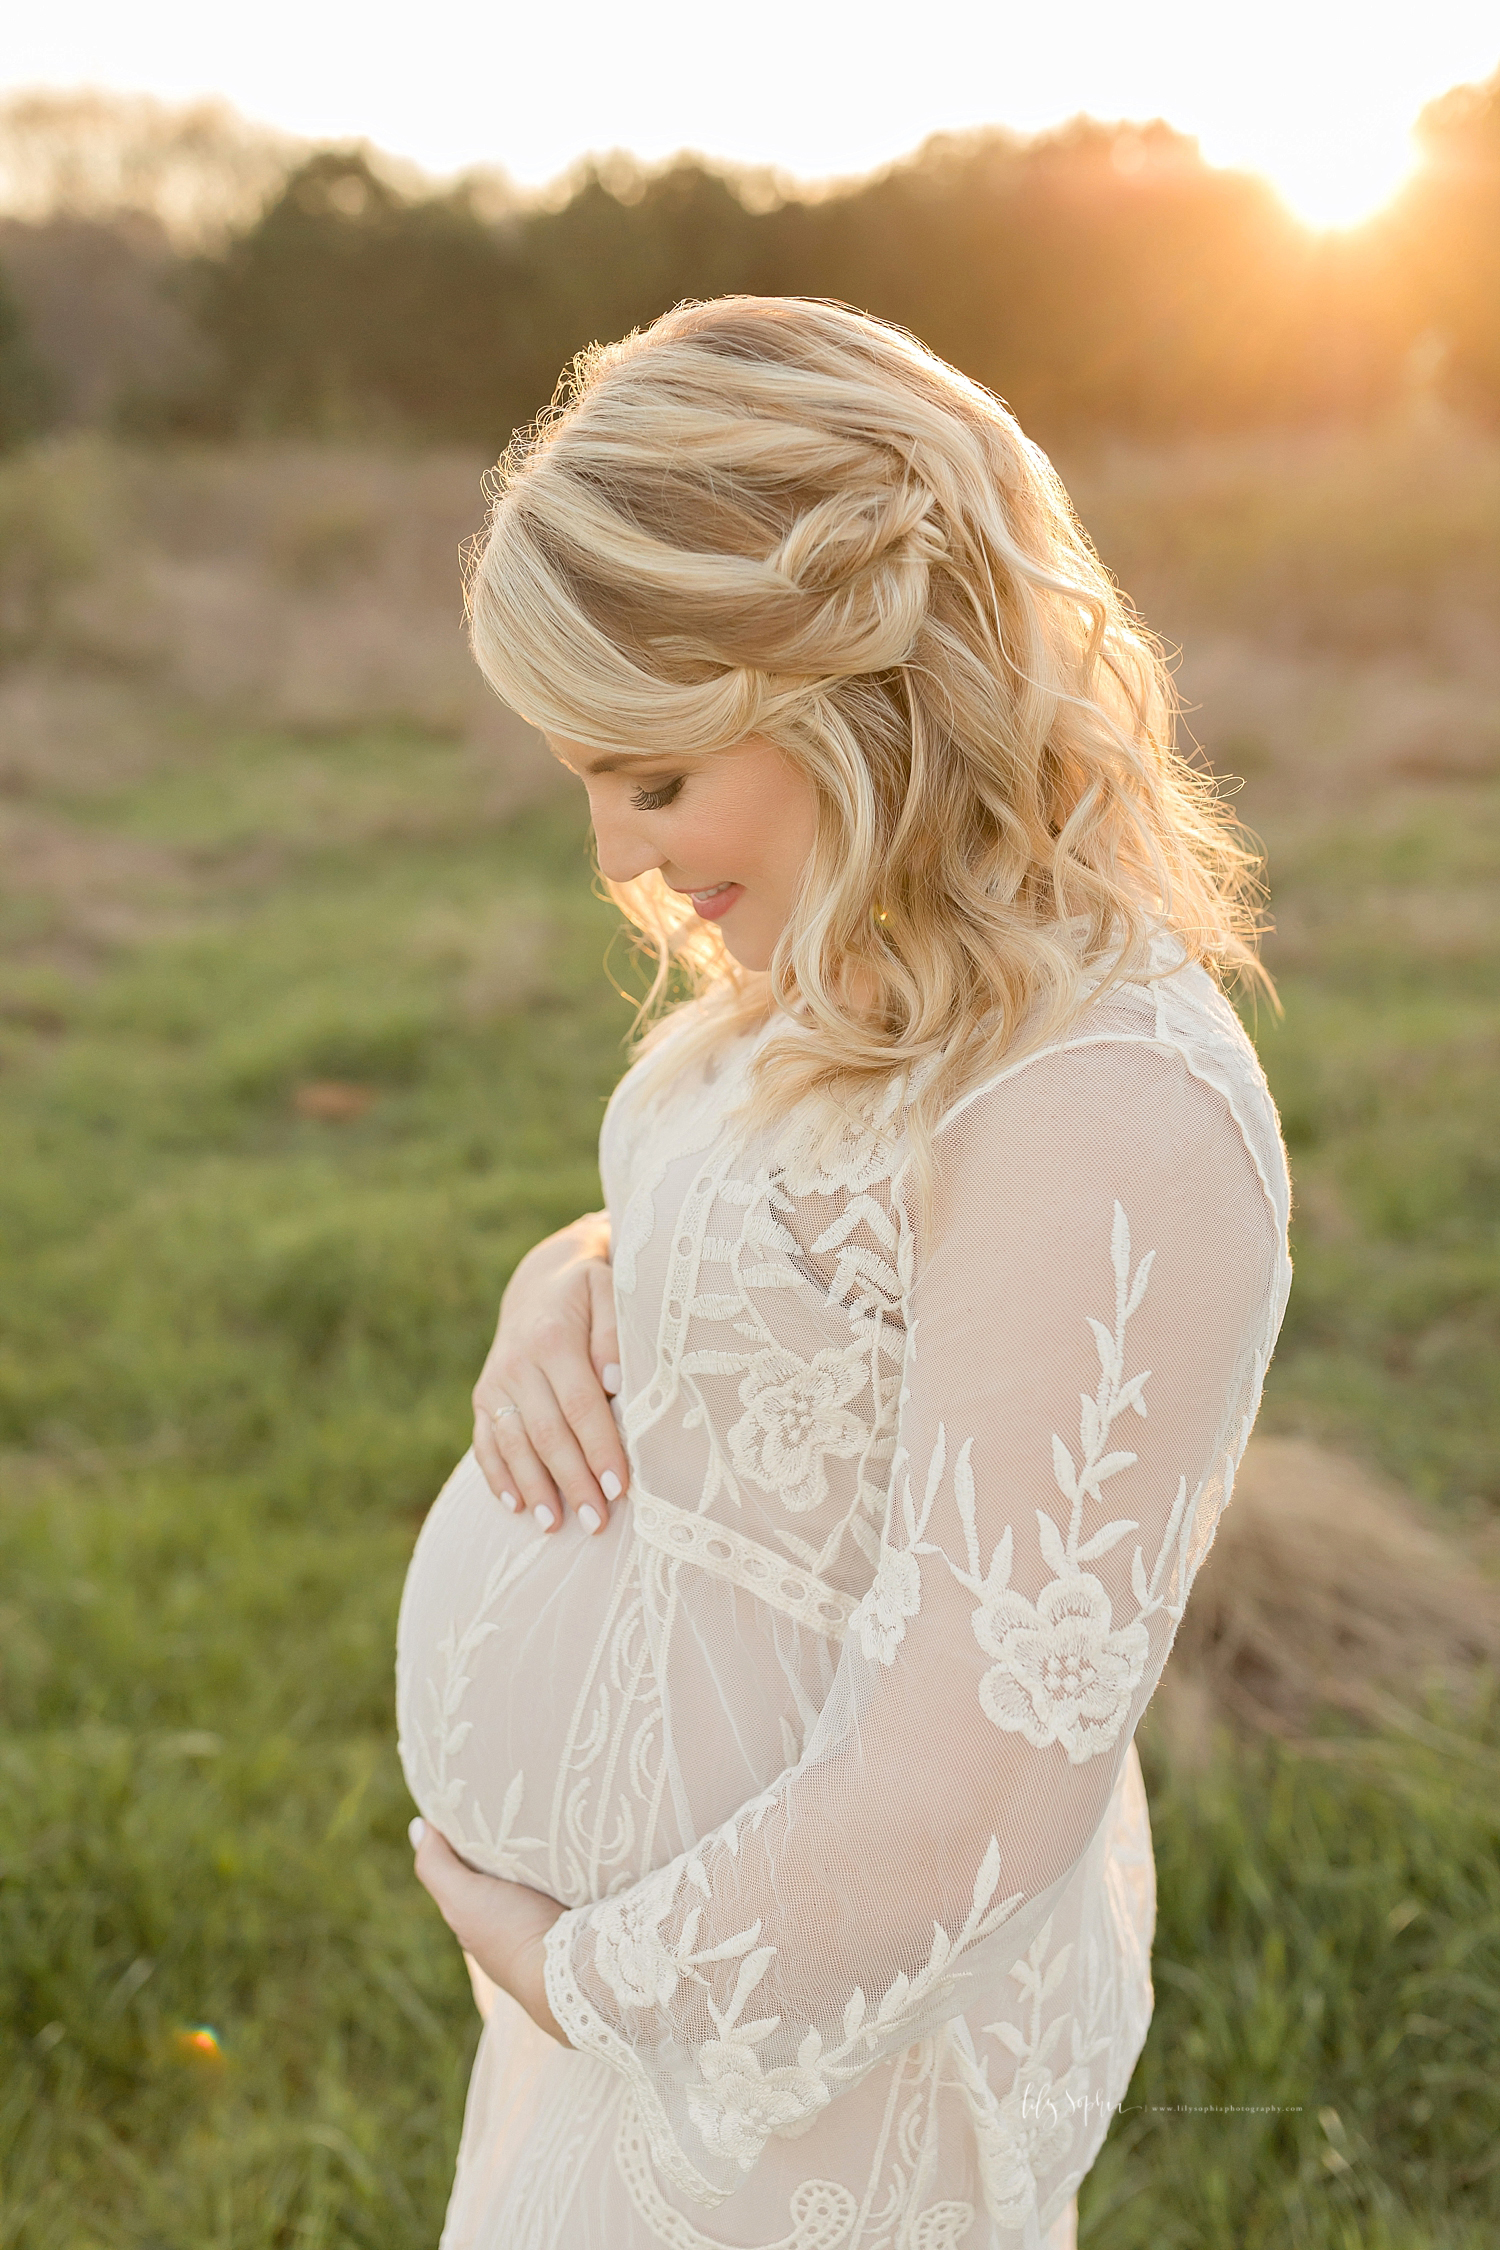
(625, 762)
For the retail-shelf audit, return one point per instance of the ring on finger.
(499, 1413)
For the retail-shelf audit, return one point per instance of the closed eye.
(656, 800)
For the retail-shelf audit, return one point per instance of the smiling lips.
(715, 903)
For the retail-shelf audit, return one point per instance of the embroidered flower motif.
(1009, 2188)
(638, 1967)
(1061, 1674)
(794, 1416)
(849, 1164)
(895, 1595)
(1042, 2112)
(739, 2105)
(826, 1153)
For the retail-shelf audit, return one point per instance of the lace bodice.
(846, 1799)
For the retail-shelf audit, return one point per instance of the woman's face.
(732, 831)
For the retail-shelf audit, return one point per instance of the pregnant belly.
(575, 1711)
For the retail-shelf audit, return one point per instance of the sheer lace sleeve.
(1096, 1296)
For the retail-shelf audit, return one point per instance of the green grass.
(1320, 2071)
(235, 1351)
(1386, 1067)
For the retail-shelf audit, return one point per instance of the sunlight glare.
(1340, 185)
(1328, 118)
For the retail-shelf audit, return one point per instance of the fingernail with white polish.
(511, 1502)
(610, 1485)
(590, 1517)
(544, 1517)
(612, 1377)
(416, 1830)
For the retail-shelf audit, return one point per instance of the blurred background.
(305, 1027)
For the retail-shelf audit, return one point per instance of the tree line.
(1098, 277)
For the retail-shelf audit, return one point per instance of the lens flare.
(200, 2041)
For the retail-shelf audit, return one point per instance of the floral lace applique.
(740, 2104)
(848, 1155)
(796, 1414)
(1062, 1674)
(894, 1596)
(631, 1955)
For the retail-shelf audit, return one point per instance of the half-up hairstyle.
(778, 518)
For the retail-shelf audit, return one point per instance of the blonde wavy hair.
(775, 517)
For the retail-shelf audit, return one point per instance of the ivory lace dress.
(827, 1744)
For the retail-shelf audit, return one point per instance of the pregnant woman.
(772, 1730)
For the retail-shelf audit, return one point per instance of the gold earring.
(881, 914)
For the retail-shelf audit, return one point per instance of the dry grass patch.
(1319, 729)
(1326, 1589)
(315, 588)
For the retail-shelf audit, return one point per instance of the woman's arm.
(1092, 1318)
(543, 1430)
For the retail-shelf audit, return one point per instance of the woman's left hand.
(500, 1925)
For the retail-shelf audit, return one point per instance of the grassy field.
(304, 1037)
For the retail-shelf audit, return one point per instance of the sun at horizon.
(1334, 164)
(1334, 197)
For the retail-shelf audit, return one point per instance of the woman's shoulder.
(1121, 1055)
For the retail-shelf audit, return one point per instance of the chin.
(751, 957)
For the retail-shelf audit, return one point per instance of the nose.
(622, 842)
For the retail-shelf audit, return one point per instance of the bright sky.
(1320, 95)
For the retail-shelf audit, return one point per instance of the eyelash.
(656, 800)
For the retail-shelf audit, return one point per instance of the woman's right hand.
(544, 1434)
